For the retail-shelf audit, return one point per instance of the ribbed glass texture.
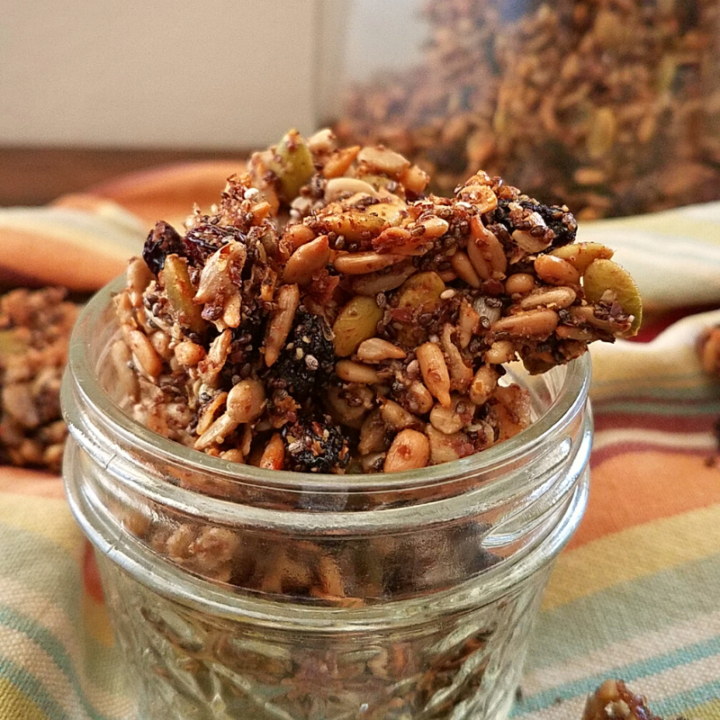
(427, 582)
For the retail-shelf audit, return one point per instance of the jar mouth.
(570, 398)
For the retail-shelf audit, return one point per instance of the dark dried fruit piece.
(308, 358)
(315, 445)
(203, 240)
(557, 218)
(162, 241)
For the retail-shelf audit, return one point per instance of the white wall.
(174, 73)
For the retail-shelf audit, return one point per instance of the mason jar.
(424, 585)
(612, 108)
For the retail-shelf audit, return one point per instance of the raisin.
(162, 241)
(558, 219)
(315, 444)
(307, 361)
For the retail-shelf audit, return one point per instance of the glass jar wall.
(611, 107)
(243, 593)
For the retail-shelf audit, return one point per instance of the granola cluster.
(331, 316)
(34, 332)
(611, 107)
(613, 701)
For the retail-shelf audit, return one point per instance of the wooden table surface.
(36, 175)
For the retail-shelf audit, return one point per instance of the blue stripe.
(687, 592)
(32, 688)
(686, 701)
(633, 671)
(52, 647)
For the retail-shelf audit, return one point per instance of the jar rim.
(571, 397)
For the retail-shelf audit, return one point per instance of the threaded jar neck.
(495, 515)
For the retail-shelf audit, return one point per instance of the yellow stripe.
(634, 553)
(14, 704)
(670, 224)
(709, 711)
(47, 517)
(97, 622)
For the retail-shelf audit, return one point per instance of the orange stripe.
(638, 487)
(20, 481)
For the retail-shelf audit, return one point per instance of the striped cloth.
(636, 595)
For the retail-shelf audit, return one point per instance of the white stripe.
(658, 438)
(629, 651)
(684, 273)
(40, 609)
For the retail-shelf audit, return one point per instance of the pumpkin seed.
(602, 276)
(292, 162)
(356, 322)
(421, 292)
(180, 292)
(354, 225)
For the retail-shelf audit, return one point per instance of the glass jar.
(609, 106)
(250, 594)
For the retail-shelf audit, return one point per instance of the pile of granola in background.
(610, 107)
(330, 316)
(35, 330)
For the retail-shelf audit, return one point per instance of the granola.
(611, 107)
(34, 333)
(332, 316)
(613, 701)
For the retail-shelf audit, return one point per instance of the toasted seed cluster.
(34, 331)
(332, 316)
(614, 701)
(611, 107)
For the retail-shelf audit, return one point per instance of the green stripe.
(52, 647)
(633, 608)
(628, 672)
(635, 408)
(46, 569)
(678, 594)
(32, 688)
